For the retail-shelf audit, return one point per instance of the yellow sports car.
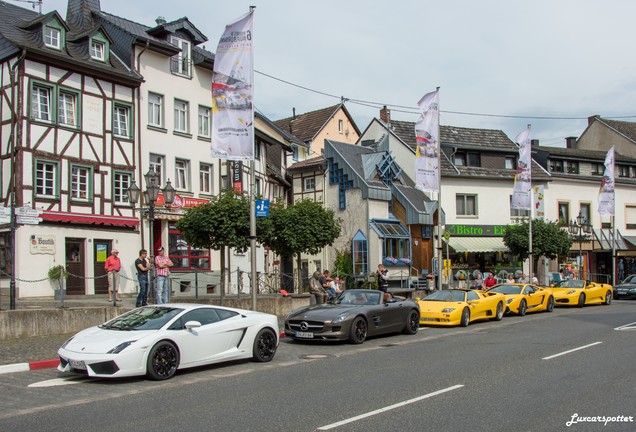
(581, 293)
(460, 307)
(522, 298)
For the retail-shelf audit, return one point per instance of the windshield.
(571, 284)
(630, 279)
(145, 318)
(446, 295)
(506, 289)
(359, 297)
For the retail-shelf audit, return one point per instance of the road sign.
(5, 219)
(28, 220)
(28, 211)
(262, 208)
(5, 211)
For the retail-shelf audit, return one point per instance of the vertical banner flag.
(606, 193)
(539, 202)
(232, 84)
(427, 149)
(523, 180)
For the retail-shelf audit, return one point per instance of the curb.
(24, 367)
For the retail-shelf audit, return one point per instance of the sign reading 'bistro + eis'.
(477, 230)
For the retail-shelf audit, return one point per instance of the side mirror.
(192, 325)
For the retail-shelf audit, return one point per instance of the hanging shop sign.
(42, 244)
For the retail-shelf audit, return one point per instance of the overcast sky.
(500, 64)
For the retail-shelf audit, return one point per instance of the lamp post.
(579, 230)
(151, 194)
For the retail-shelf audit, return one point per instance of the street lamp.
(579, 229)
(151, 194)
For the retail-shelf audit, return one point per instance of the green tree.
(303, 227)
(548, 239)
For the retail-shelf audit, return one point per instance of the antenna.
(33, 3)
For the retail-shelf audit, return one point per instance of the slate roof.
(306, 126)
(627, 129)
(21, 28)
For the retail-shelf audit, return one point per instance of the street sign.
(5, 219)
(28, 211)
(28, 220)
(5, 211)
(262, 208)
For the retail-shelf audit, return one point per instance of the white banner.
(606, 192)
(539, 202)
(427, 148)
(523, 177)
(232, 81)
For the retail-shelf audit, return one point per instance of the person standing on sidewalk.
(112, 267)
(162, 269)
(142, 266)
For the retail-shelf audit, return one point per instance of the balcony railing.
(181, 66)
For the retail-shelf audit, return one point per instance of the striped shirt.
(159, 260)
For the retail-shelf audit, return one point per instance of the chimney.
(293, 112)
(385, 116)
(570, 142)
(79, 13)
(534, 143)
(591, 119)
(160, 20)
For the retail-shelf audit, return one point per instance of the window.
(586, 211)
(623, 170)
(41, 103)
(205, 178)
(257, 185)
(573, 167)
(181, 174)
(156, 164)
(46, 179)
(340, 127)
(396, 241)
(81, 178)
(360, 249)
(97, 50)
(204, 121)
(121, 121)
(564, 213)
(180, 64)
(67, 108)
(155, 109)
(294, 152)
(509, 163)
(121, 183)
(181, 121)
(630, 217)
(556, 166)
(473, 159)
(309, 184)
(518, 213)
(184, 256)
(460, 159)
(52, 37)
(466, 205)
(598, 169)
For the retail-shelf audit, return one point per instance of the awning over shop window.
(604, 238)
(477, 244)
(89, 219)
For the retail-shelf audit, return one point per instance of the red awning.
(90, 219)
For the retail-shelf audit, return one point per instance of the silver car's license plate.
(77, 364)
(307, 335)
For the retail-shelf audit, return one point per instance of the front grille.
(104, 368)
(312, 326)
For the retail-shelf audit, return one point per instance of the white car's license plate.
(308, 335)
(77, 364)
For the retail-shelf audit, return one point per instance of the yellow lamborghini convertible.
(460, 307)
(522, 298)
(581, 293)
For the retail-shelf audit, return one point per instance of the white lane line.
(630, 326)
(390, 407)
(569, 351)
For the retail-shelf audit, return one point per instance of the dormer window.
(52, 37)
(97, 50)
(181, 64)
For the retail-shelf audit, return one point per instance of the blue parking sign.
(262, 208)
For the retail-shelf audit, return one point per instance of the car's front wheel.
(358, 332)
(581, 302)
(412, 323)
(163, 361)
(264, 345)
(465, 318)
(550, 306)
(499, 312)
(608, 298)
(523, 307)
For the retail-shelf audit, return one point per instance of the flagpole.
(253, 203)
(531, 257)
(613, 252)
(439, 203)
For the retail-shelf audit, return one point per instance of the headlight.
(447, 310)
(119, 348)
(510, 300)
(338, 320)
(570, 292)
(66, 343)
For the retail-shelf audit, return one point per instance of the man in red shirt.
(112, 267)
(489, 282)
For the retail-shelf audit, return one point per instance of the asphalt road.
(533, 373)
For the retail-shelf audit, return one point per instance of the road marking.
(388, 408)
(57, 382)
(569, 351)
(630, 326)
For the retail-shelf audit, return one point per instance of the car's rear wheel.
(163, 361)
(264, 345)
(523, 307)
(550, 306)
(412, 323)
(465, 318)
(358, 331)
(581, 302)
(499, 312)
(608, 298)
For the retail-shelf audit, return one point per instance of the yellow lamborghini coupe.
(522, 298)
(581, 293)
(460, 307)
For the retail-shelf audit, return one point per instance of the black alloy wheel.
(358, 332)
(412, 323)
(523, 307)
(163, 361)
(264, 345)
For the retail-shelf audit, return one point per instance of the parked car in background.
(581, 292)
(354, 315)
(460, 307)
(626, 289)
(522, 298)
(158, 340)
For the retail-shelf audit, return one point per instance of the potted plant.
(57, 274)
